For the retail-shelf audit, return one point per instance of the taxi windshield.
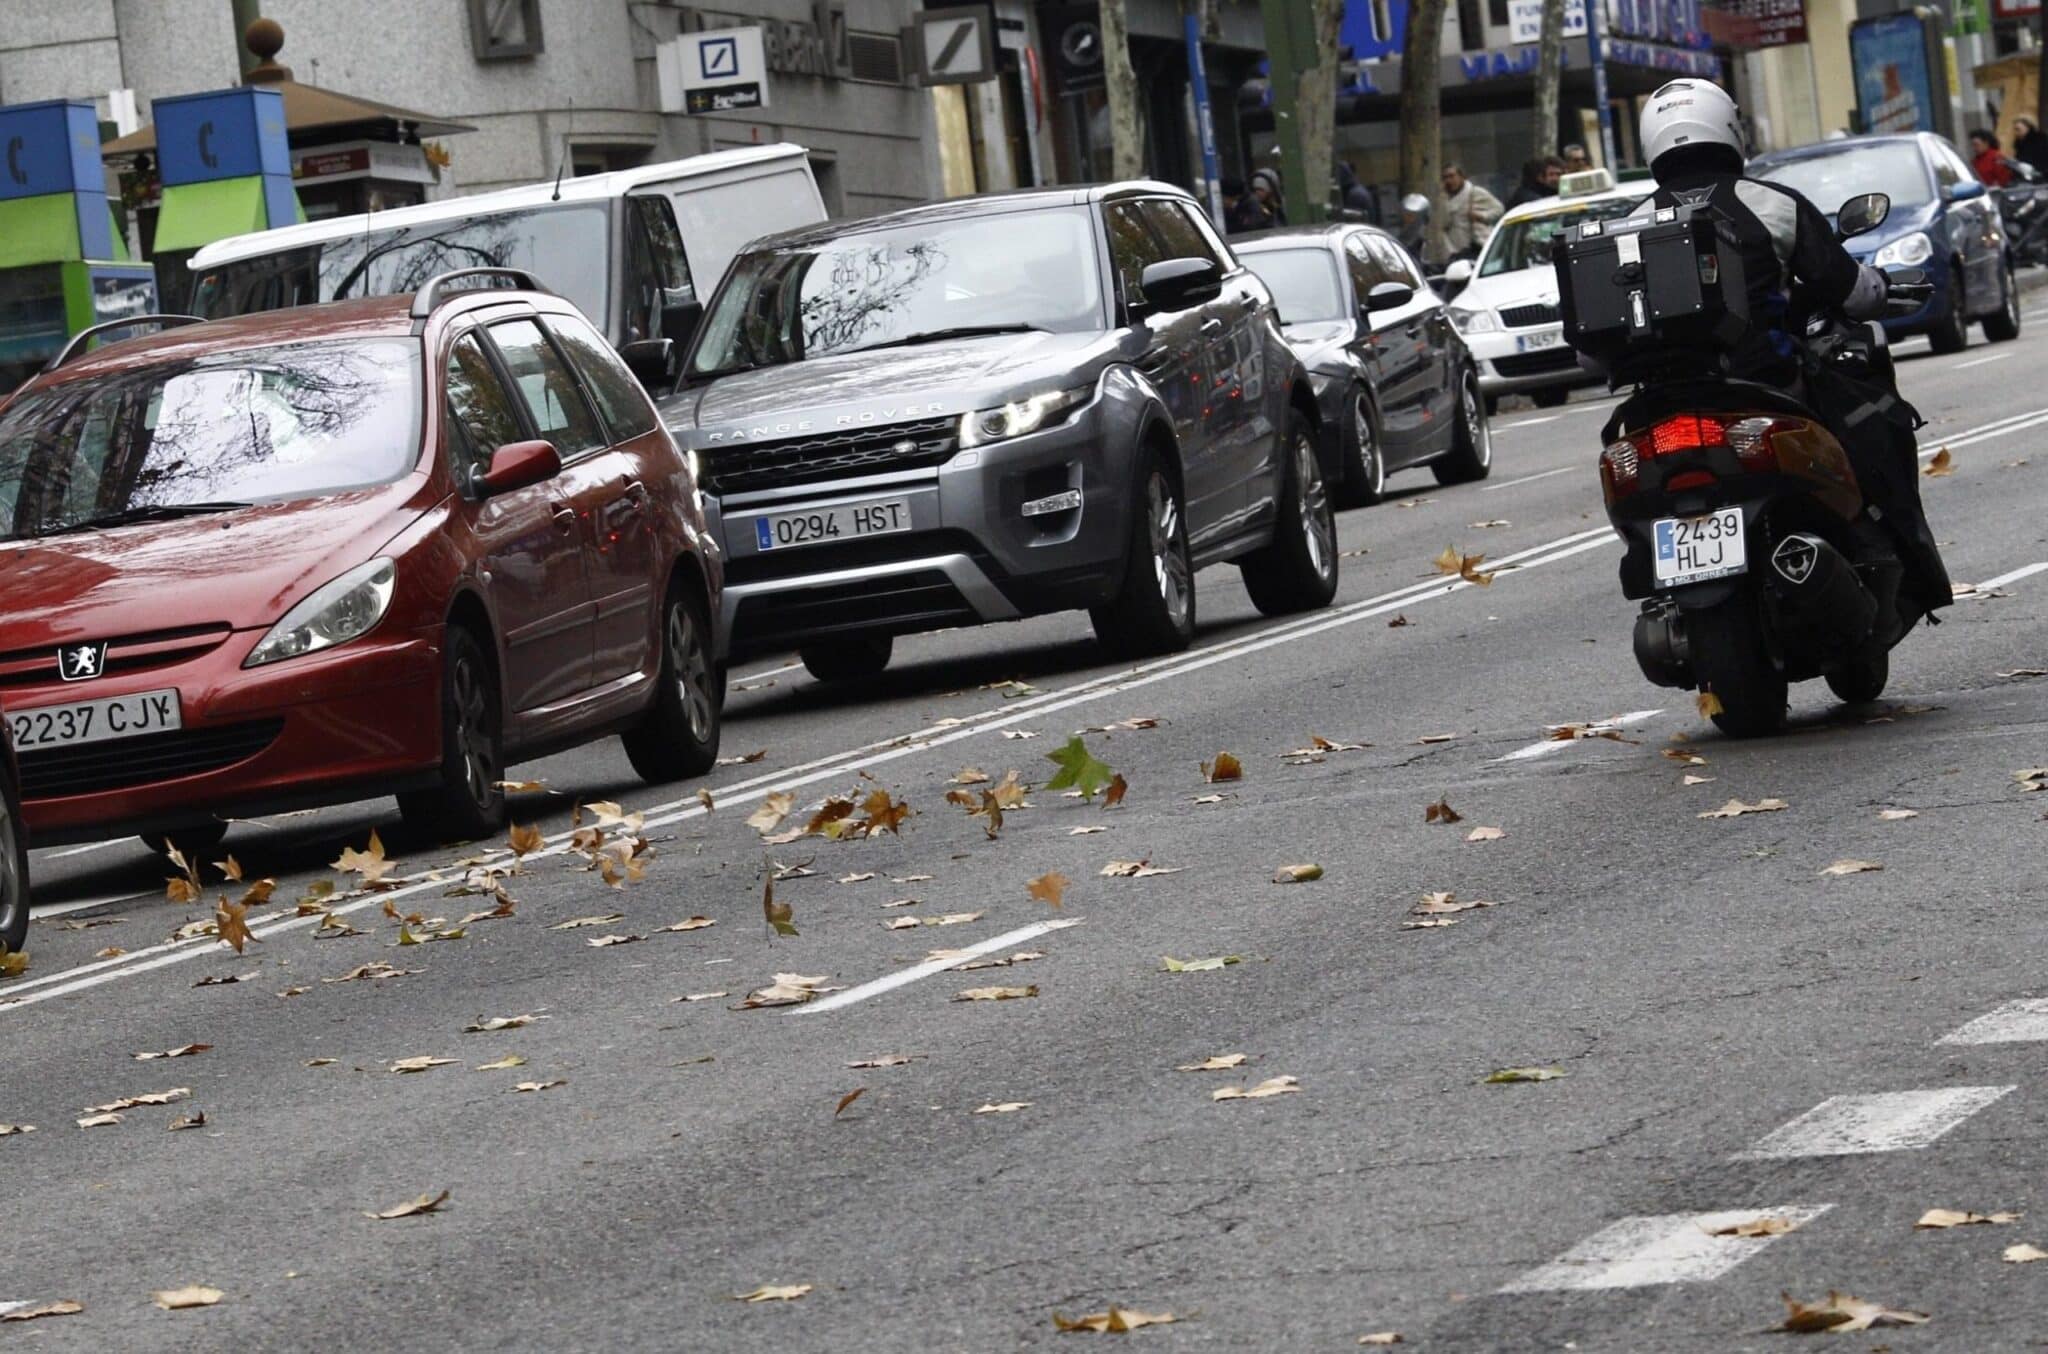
(916, 282)
(1527, 241)
(261, 425)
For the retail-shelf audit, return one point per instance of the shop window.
(500, 30)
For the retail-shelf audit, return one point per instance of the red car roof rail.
(77, 343)
(430, 296)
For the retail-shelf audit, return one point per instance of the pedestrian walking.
(1469, 214)
(2030, 144)
(1266, 189)
(1985, 159)
(1241, 210)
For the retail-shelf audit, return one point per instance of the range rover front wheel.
(1153, 611)
(1298, 571)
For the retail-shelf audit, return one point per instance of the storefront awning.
(310, 109)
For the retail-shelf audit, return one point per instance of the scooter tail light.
(1619, 466)
(1750, 439)
(1686, 432)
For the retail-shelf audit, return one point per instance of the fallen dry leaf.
(226, 979)
(1897, 815)
(1297, 874)
(1399, 622)
(1842, 867)
(971, 775)
(196, 1119)
(1512, 1074)
(373, 970)
(526, 838)
(768, 1292)
(688, 924)
(1169, 964)
(1429, 923)
(1952, 1217)
(1708, 705)
(411, 1208)
(1220, 1062)
(1050, 889)
(1430, 738)
(2022, 1254)
(9, 1130)
(1943, 463)
(781, 917)
(230, 924)
(1137, 869)
(1089, 830)
(99, 1120)
(1007, 1107)
(600, 919)
(1485, 834)
(496, 1023)
(129, 1102)
(63, 1307)
(1841, 1312)
(504, 1064)
(521, 787)
(744, 759)
(419, 1064)
(525, 1086)
(183, 1051)
(701, 996)
(1266, 1089)
(192, 1295)
(788, 989)
(1225, 767)
(1443, 903)
(606, 942)
(1114, 793)
(847, 1099)
(369, 864)
(1440, 812)
(1463, 566)
(1735, 808)
(1382, 1337)
(1117, 1320)
(1767, 1225)
(1681, 755)
(1697, 780)
(996, 993)
(773, 810)
(885, 1060)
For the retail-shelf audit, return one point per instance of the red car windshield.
(265, 425)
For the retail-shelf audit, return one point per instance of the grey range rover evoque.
(996, 407)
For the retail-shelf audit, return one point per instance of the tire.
(1551, 399)
(848, 660)
(1365, 458)
(1153, 611)
(1862, 681)
(14, 888)
(468, 804)
(1298, 571)
(1729, 658)
(679, 736)
(2004, 326)
(1471, 455)
(1951, 333)
(192, 842)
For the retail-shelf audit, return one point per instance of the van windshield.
(173, 438)
(567, 247)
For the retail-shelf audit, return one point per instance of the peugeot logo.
(80, 662)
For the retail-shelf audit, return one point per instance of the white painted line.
(6, 1307)
(1528, 423)
(89, 846)
(59, 909)
(1530, 479)
(905, 977)
(1987, 431)
(27, 992)
(1674, 1248)
(1980, 361)
(766, 673)
(2021, 1021)
(2024, 571)
(1889, 1121)
(1550, 745)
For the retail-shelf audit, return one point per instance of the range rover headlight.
(1908, 251)
(1018, 417)
(331, 614)
(1473, 321)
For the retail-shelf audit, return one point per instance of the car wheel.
(14, 892)
(192, 842)
(1298, 571)
(679, 736)
(848, 660)
(2005, 325)
(1471, 455)
(1365, 462)
(1153, 611)
(1951, 333)
(469, 802)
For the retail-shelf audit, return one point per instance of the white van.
(638, 250)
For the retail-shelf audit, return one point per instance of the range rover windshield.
(179, 439)
(567, 247)
(913, 283)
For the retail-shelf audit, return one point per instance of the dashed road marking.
(1550, 745)
(1984, 432)
(2024, 571)
(1528, 423)
(1674, 1248)
(2015, 1022)
(953, 959)
(1529, 479)
(1889, 1121)
(1980, 361)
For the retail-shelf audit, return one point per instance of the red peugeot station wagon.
(324, 554)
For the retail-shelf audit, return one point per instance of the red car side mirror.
(518, 464)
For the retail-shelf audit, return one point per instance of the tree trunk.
(1126, 110)
(1422, 147)
(1549, 77)
(2041, 74)
(1315, 108)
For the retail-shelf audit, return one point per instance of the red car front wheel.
(469, 803)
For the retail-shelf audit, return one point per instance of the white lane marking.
(766, 673)
(89, 846)
(1985, 432)
(6, 1307)
(1980, 361)
(1528, 423)
(28, 992)
(1674, 1248)
(1550, 745)
(1889, 1121)
(2015, 1022)
(1529, 479)
(2024, 571)
(41, 911)
(905, 977)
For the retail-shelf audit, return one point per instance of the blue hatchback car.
(1942, 221)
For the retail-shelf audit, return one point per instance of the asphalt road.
(1721, 1010)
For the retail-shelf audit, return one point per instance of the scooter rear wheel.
(1730, 659)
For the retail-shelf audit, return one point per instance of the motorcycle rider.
(1692, 134)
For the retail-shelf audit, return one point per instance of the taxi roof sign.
(1586, 183)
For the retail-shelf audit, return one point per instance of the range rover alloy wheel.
(1153, 611)
(1298, 571)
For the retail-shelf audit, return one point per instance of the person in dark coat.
(1539, 180)
(1242, 213)
(1355, 196)
(2030, 144)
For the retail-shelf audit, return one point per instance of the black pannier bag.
(1645, 292)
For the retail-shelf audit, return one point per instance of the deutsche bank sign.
(719, 71)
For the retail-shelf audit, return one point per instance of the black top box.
(1648, 289)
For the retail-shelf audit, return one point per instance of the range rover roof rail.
(77, 343)
(431, 295)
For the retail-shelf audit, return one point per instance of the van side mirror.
(653, 361)
(1862, 214)
(517, 465)
(1180, 284)
(1388, 296)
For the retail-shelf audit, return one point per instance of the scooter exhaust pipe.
(1823, 607)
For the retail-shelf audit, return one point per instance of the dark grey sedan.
(1393, 380)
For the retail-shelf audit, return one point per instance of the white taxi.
(1507, 308)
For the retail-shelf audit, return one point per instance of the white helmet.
(1691, 113)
